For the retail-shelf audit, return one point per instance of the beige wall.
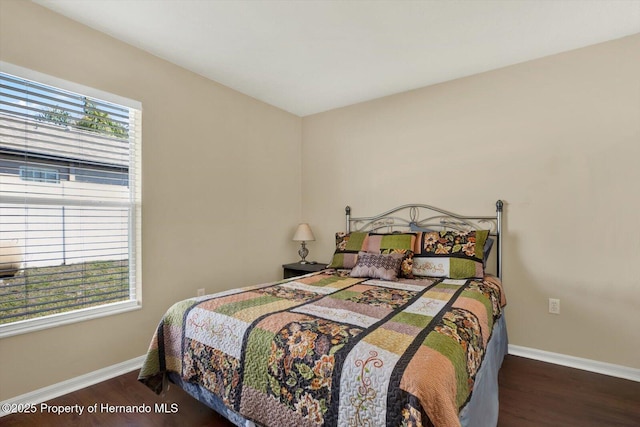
(558, 139)
(221, 189)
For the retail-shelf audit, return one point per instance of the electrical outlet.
(201, 292)
(554, 306)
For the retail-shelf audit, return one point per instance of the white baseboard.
(610, 369)
(51, 392)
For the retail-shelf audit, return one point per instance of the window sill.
(32, 325)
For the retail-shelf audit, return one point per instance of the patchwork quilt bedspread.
(331, 350)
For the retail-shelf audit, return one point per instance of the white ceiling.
(311, 56)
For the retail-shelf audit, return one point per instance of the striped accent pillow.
(347, 248)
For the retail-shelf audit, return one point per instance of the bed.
(404, 328)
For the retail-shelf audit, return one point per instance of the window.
(29, 173)
(70, 202)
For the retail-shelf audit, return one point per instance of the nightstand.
(297, 269)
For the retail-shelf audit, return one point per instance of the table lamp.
(303, 234)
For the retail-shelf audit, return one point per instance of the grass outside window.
(42, 291)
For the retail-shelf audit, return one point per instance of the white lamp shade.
(303, 233)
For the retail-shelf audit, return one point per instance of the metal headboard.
(425, 216)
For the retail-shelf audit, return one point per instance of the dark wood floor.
(532, 393)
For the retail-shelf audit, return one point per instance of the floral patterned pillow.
(488, 244)
(452, 254)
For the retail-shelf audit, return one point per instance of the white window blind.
(69, 204)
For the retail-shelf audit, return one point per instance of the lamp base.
(303, 252)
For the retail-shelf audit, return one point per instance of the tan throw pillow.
(378, 266)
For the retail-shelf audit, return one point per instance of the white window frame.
(135, 224)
